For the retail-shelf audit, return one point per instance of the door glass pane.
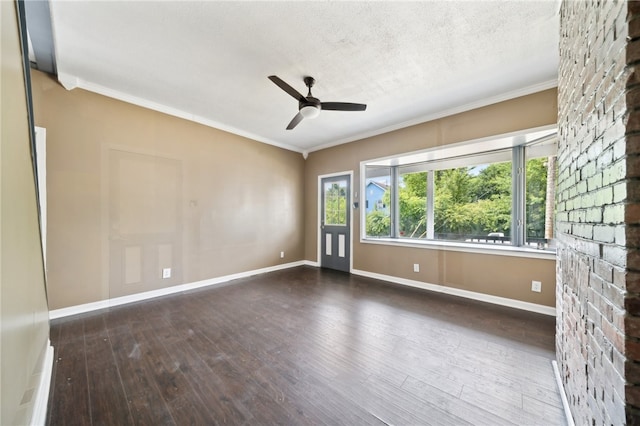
(335, 203)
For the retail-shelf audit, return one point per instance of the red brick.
(633, 97)
(631, 280)
(633, 52)
(632, 395)
(617, 319)
(633, 417)
(633, 236)
(632, 121)
(598, 117)
(633, 166)
(632, 349)
(633, 9)
(632, 327)
(634, 27)
(633, 191)
(634, 77)
(633, 259)
(632, 305)
(632, 214)
(632, 372)
(633, 144)
(614, 336)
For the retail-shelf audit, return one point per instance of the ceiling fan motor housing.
(309, 101)
(309, 82)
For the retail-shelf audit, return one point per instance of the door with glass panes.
(335, 222)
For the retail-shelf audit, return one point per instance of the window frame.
(460, 155)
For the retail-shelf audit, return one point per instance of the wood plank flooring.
(305, 346)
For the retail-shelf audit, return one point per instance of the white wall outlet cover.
(536, 286)
(416, 267)
(281, 255)
(166, 273)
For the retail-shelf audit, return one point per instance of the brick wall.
(598, 211)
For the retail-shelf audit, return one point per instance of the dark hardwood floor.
(305, 346)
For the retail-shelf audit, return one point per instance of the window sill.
(496, 250)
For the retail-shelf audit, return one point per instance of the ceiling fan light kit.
(310, 111)
(308, 106)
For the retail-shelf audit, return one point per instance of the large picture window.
(496, 196)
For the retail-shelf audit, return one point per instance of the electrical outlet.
(536, 286)
(281, 255)
(416, 267)
(166, 273)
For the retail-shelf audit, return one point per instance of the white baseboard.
(93, 306)
(563, 395)
(39, 416)
(496, 300)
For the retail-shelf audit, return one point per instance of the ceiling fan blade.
(297, 119)
(284, 86)
(342, 106)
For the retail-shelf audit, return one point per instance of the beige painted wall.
(24, 327)
(132, 191)
(503, 276)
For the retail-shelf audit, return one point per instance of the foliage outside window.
(412, 201)
(378, 213)
(473, 203)
(335, 202)
(466, 199)
(540, 206)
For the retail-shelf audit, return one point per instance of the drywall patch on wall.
(239, 202)
(144, 229)
(132, 265)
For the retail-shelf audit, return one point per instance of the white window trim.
(479, 146)
(493, 249)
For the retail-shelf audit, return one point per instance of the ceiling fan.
(309, 107)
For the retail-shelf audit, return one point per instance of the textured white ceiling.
(209, 61)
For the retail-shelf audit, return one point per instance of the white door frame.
(319, 217)
(41, 167)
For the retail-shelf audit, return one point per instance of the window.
(461, 194)
(378, 212)
(473, 203)
(412, 205)
(541, 171)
